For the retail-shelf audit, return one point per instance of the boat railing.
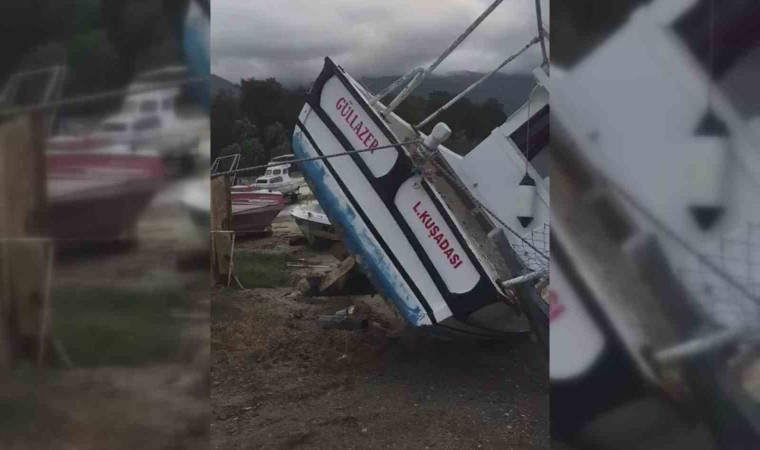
(416, 76)
(234, 161)
(48, 82)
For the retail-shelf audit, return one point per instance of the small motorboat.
(277, 178)
(314, 224)
(254, 211)
(147, 118)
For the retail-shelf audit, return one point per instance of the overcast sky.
(288, 39)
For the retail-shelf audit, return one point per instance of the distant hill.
(218, 84)
(511, 90)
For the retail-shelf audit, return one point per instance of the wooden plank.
(337, 277)
(23, 187)
(222, 254)
(221, 204)
(25, 268)
(221, 221)
(23, 193)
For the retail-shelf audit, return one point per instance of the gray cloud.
(289, 39)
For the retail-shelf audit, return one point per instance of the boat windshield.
(149, 106)
(130, 106)
(113, 127)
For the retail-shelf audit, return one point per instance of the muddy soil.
(279, 381)
(151, 403)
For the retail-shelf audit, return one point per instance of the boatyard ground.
(280, 381)
(136, 332)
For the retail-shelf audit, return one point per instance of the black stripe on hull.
(460, 304)
(394, 260)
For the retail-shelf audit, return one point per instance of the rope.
(527, 131)
(540, 26)
(462, 37)
(452, 179)
(671, 233)
(315, 158)
(711, 54)
(477, 83)
(420, 76)
(100, 96)
(391, 87)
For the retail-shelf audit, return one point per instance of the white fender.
(706, 179)
(525, 199)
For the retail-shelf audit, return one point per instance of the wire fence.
(539, 238)
(739, 255)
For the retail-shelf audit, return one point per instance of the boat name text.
(346, 109)
(434, 233)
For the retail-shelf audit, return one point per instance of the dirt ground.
(136, 331)
(279, 381)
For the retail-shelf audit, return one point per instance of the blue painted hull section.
(372, 258)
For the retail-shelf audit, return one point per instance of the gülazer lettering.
(346, 109)
(434, 233)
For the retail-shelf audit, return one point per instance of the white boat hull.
(406, 238)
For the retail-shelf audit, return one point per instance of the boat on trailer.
(255, 213)
(98, 195)
(96, 190)
(424, 233)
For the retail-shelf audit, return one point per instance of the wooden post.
(221, 204)
(23, 193)
(221, 221)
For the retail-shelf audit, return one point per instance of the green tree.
(224, 112)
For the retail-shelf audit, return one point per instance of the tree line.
(258, 123)
(102, 43)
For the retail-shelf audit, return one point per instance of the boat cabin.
(274, 175)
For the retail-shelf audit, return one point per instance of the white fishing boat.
(147, 118)
(314, 224)
(277, 178)
(424, 222)
(657, 223)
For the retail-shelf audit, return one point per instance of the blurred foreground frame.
(26, 257)
(655, 313)
(104, 336)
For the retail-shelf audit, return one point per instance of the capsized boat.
(314, 224)
(424, 253)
